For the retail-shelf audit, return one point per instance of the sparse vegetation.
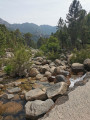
(39, 54)
(20, 62)
(80, 56)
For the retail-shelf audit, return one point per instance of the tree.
(60, 24)
(74, 11)
(27, 38)
(72, 19)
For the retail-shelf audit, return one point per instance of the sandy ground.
(76, 108)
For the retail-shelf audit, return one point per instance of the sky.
(39, 12)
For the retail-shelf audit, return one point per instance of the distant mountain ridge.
(42, 30)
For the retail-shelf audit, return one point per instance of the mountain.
(37, 31)
(4, 22)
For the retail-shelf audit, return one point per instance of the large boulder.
(35, 109)
(57, 89)
(87, 64)
(33, 72)
(77, 67)
(36, 94)
(60, 78)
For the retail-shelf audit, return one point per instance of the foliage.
(13, 39)
(8, 69)
(52, 44)
(74, 11)
(19, 62)
(39, 54)
(80, 56)
(41, 41)
(53, 55)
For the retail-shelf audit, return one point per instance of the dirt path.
(76, 108)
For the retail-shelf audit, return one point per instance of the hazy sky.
(36, 11)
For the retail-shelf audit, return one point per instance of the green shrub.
(53, 55)
(39, 54)
(20, 62)
(8, 69)
(80, 56)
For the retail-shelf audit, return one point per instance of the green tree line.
(74, 32)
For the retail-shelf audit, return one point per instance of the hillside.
(42, 30)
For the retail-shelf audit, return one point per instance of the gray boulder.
(35, 109)
(57, 89)
(14, 90)
(9, 96)
(65, 73)
(36, 94)
(87, 64)
(60, 78)
(77, 67)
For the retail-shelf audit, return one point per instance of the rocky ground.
(45, 88)
(77, 107)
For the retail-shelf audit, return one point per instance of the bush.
(53, 55)
(19, 63)
(80, 56)
(8, 69)
(39, 54)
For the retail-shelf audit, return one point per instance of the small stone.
(17, 84)
(9, 96)
(57, 71)
(1, 86)
(47, 74)
(60, 78)
(52, 79)
(22, 97)
(33, 72)
(36, 94)
(39, 76)
(57, 62)
(1, 79)
(14, 90)
(43, 79)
